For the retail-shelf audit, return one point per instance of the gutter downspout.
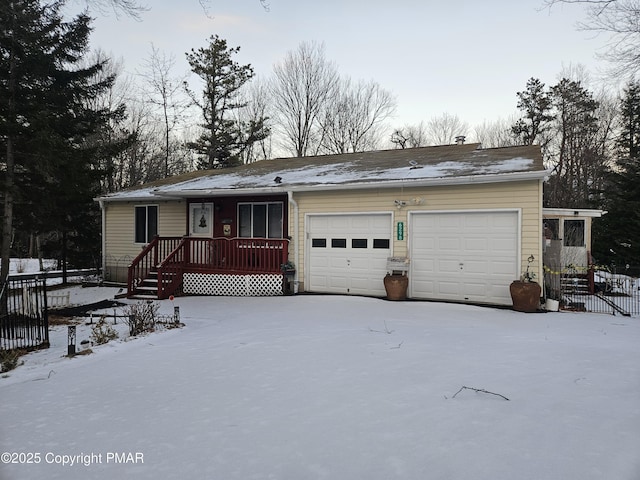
(296, 229)
(103, 240)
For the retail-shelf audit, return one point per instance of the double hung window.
(260, 220)
(146, 223)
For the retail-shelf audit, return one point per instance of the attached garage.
(347, 253)
(466, 256)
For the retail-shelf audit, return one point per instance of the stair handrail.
(148, 258)
(170, 269)
(140, 266)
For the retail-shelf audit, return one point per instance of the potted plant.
(525, 293)
(288, 269)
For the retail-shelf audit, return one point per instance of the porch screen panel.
(275, 220)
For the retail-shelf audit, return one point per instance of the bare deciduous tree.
(131, 8)
(354, 116)
(495, 134)
(257, 106)
(164, 93)
(621, 19)
(444, 128)
(303, 82)
(410, 136)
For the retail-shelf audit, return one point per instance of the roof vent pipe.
(460, 139)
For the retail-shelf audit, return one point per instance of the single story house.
(463, 220)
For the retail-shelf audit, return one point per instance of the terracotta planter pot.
(525, 296)
(396, 286)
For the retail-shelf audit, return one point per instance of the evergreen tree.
(535, 103)
(49, 175)
(617, 234)
(577, 150)
(224, 137)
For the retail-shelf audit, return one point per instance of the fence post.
(176, 315)
(132, 325)
(71, 340)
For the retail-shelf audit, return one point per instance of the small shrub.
(9, 360)
(142, 317)
(102, 332)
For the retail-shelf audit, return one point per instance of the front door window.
(201, 219)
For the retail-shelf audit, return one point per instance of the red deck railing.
(210, 255)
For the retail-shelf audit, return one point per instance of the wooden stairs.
(147, 289)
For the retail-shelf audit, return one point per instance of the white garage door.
(463, 256)
(348, 253)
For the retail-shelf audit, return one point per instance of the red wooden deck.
(169, 258)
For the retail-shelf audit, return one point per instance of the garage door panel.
(338, 282)
(360, 265)
(475, 244)
(504, 245)
(475, 267)
(502, 268)
(448, 290)
(447, 266)
(319, 262)
(319, 280)
(448, 243)
(463, 256)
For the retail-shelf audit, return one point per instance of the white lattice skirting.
(262, 285)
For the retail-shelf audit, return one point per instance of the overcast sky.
(463, 57)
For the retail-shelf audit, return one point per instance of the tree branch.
(479, 390)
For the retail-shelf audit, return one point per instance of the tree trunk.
(7, 219)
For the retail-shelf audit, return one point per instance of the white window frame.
(147, 237)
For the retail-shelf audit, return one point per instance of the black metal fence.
(24, 321)
(600, 289)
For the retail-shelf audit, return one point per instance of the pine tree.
(535, 103)
(577, 156)
(224, 137)
(617, 234)
(49, 171)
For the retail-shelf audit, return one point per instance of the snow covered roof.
(450, 164)
(573, 212)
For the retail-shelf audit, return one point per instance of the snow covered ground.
(331, 387)
(24, 265)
